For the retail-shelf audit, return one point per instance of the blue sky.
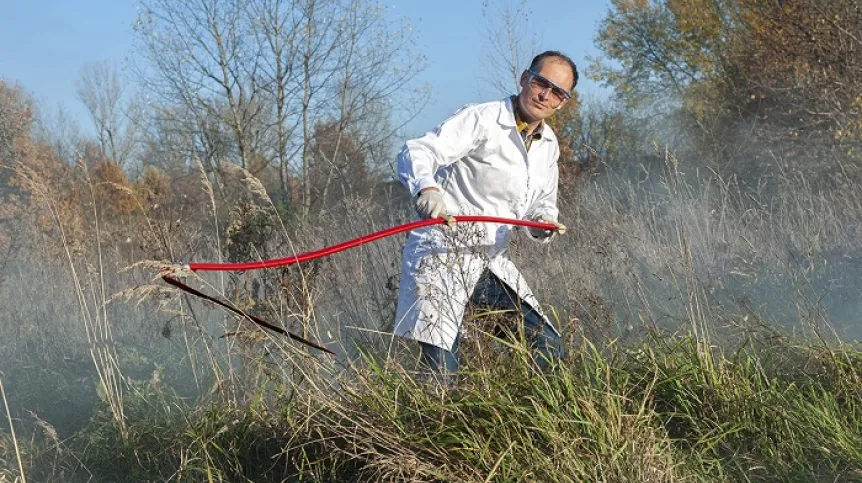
(44, 44)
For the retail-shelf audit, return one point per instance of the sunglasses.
(558, 94)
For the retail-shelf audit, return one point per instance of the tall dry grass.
(709, 325)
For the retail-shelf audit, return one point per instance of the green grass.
(665, 409)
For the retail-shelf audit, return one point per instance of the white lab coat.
(479, 162)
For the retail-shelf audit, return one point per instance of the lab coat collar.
(507, 119)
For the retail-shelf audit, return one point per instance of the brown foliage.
(566, 124)
(113, 191)
(154, 188)
(797, 67)
(34, 184)
(338, 167)
(579, 145)
(15, 119)
(752, 76)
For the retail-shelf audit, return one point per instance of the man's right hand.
(429, 204)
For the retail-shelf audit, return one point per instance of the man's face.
(538, 103)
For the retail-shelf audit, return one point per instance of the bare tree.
(277, 30)
(510, 43)
(375, 65)
(271, 70)
(202, 60)
(115, 118)
(58, 130)
(321, 37)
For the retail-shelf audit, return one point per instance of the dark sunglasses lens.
(541, 82)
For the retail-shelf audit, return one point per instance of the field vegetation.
(707, 289)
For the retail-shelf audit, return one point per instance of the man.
(494, 159)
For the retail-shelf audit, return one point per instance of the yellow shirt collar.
(521, 125)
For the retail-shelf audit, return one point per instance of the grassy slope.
(668, 409)
(688, 403)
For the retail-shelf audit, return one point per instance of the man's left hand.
(542, 233)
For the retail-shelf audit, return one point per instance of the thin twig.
(12, 429)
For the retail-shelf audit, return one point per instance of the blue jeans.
(491, 292)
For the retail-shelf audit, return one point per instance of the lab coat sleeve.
(421, 158)
(546, 203)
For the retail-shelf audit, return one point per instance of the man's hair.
(537, 62)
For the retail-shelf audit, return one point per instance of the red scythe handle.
(323, 252)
